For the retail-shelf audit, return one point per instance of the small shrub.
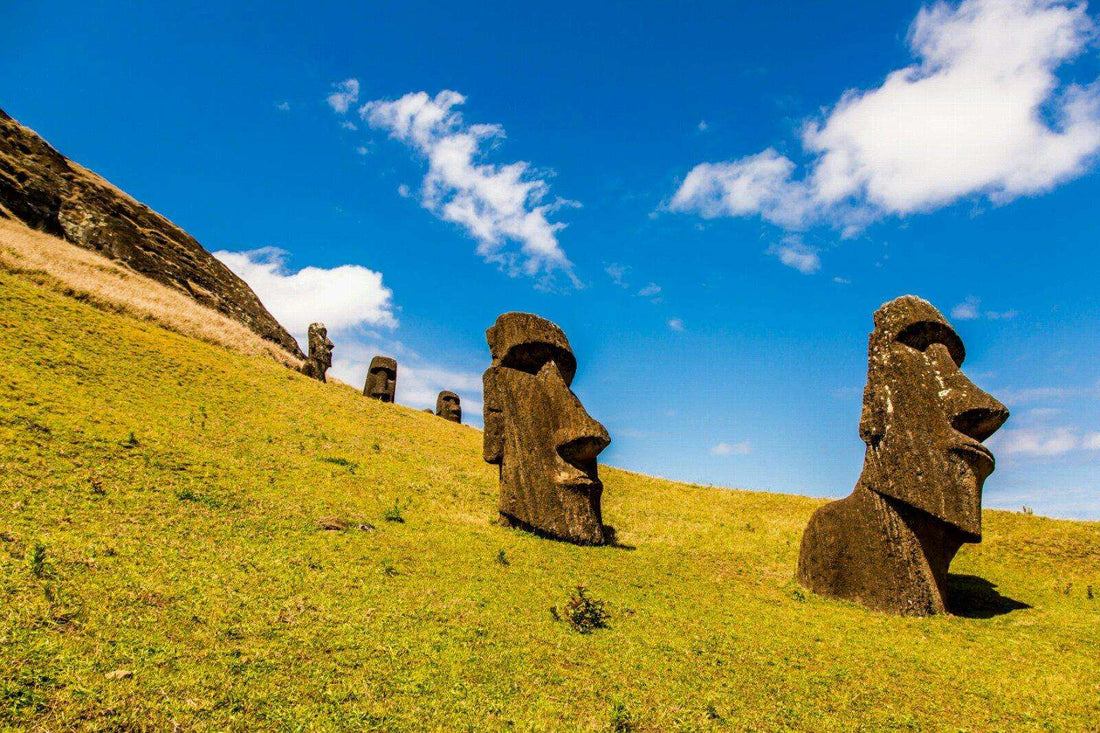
(340, 461)
(395, 513)
(502, 558)
(130, 442)
(388, 568)
(1027, 510)
(1088, 592)
(583, 613)
(621, 719)
(37, 560)
(799, 595)
(97, 485)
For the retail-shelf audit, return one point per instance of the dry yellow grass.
(89, 276)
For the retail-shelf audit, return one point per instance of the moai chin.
(919, 499)
(539, 434)
(448, 406)
(320, 352)
(381, 379)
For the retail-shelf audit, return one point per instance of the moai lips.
(320, 353)
(448, 406)
(889, 544)
(381, 379)
(539, 434)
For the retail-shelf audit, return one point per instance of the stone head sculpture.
(539, 434)
(320, 352)
(919, 497)
(448, 406)
(381, 379)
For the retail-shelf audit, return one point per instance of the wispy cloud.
(497, 205)
(970, 310)
(731, 449)
(617, 273)
(1044, 440)
(676, 324)
(650, 291)
(793, 253)
(282, 106)
(345, 94)
(981, 113)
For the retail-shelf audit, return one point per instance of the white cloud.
(793, 253)
(496, 204)
(970, 310)
(842, 281)
(967, 310)
(734, 449)
(403, 191)
(346, 94)
(649, 291)
(617, 273)
(676, 324)
(283, 106)
(981, 112)
(703, 126)
(362, 150)
(1091, 441)
(342, 297)
(1038, 441)
(348, 125)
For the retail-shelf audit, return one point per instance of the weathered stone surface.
(47, 191)
(888, 545)
(448, 406)
(320, 353)
(539, 434)
(381, 379)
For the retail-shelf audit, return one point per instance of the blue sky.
(711, 201)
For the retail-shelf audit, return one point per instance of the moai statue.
(539, 434)
(381, 379)
(448, 406)
(888, 545)
(320, 352)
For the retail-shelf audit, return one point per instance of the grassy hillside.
(162, 562)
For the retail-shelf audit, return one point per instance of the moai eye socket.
(532, 357)
(923, 334)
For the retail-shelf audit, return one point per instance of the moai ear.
(493, 443)
(872, 419)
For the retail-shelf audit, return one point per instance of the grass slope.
(159, 508)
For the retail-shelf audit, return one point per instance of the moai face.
(382, 379)
(539, 434)
(448, 406)
(320, 352)
(924, 420)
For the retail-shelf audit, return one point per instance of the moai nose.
(580, 443)
(974, 412)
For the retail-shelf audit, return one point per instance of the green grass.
(160, 502)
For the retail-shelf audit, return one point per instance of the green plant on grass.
(36, 560)
(583, 613)
(395, 512)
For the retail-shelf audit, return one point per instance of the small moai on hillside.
(381, 379)
(320, 353)
(919, 499)
(539, 434)
(448, 406)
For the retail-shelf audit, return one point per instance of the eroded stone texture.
(381, 379)
(919, 499)
(320, 353)
(48, 192)
(448, 406)
(539, 434)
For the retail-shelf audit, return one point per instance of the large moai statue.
(320, 352)
(539, 434)
(448, 406)
(888, 545)
(381, 379)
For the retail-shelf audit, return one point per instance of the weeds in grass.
(621, 719)
(712, 713)
(502, 558)
(208, 501)
(388, 568)
(131, 441)
(1027, 510)
(340, 461)
(37, 560)
(97, 485)
(1088, 593)
(583, 613)
(395, 513)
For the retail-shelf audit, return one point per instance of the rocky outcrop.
(50, 193)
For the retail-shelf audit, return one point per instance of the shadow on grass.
(974, 597)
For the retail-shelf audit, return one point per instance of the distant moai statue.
(539, 434)
(320, 353)
(381, 379)
(448, 406)
(919, 499)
